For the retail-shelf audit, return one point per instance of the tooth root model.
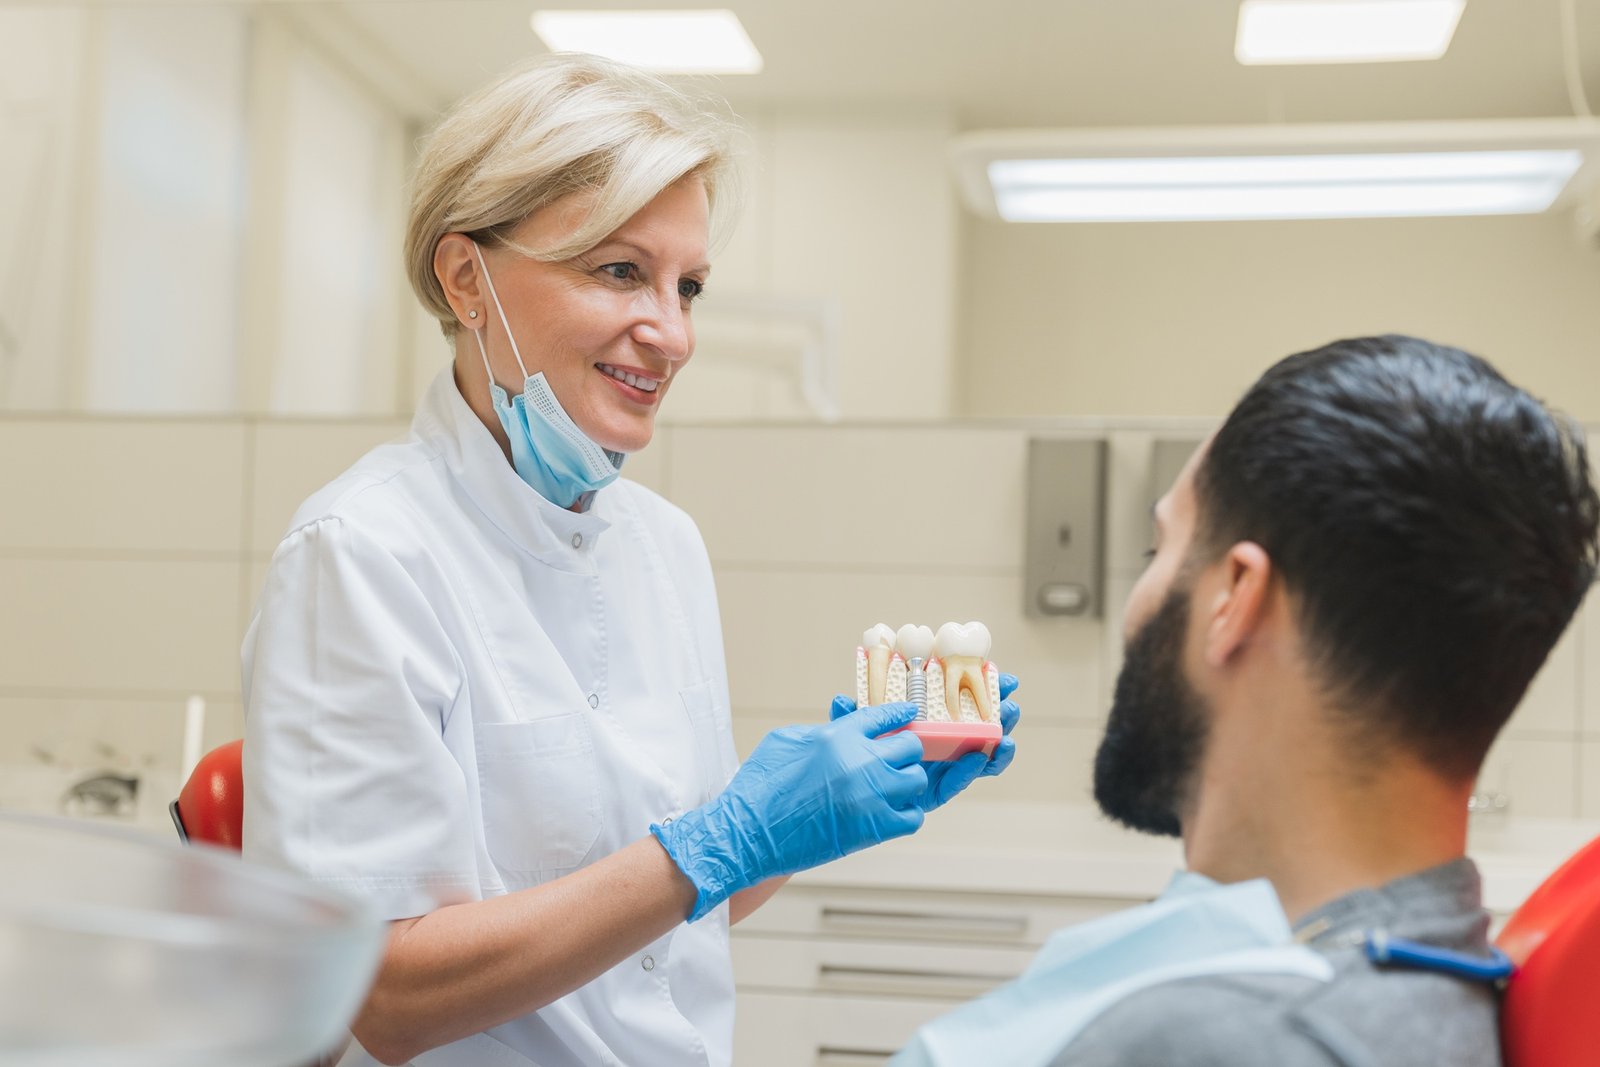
(948, 675)
(878, 643)
(963, 651)
(937, 710)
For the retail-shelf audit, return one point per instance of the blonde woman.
(485, 686)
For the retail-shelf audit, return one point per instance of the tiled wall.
(131, 551)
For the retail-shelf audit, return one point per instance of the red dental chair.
(1550, 1016)
(210, 806)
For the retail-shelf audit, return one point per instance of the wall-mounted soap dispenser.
(1064, 557)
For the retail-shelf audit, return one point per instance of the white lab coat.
(455, 689)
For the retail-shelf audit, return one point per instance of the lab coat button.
(648, 963)
(577, 540)
(594, 700)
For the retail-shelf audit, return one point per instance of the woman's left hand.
(946, 778)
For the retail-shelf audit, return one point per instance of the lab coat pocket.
(713, 737)
(541, 793)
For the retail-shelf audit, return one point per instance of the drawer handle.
(883, 981)
(835, 1056)
(928, 924)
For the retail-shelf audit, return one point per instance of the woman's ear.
(1239, 607)
(455, 264)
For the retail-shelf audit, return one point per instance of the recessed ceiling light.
(667, 42)
(1492, 167)
(1280, 187)
(1344, 31)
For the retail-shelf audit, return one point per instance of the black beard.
(1156, 732)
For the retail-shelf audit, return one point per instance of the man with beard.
(1354, 580)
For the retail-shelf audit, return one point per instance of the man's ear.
(1240, 604)
(455, 264)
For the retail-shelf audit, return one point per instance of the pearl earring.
(472, 314)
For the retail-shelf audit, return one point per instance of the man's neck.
(1316, 832)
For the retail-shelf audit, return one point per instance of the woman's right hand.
(806, 795)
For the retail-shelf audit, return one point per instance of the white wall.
(201, 214)
(1178, 319)
(43, 94)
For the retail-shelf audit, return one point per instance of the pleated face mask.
(548, 450)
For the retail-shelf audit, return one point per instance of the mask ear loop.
(502, 312)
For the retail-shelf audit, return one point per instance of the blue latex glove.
(806, 795)
(947, 778)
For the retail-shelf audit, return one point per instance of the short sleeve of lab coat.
(349, 678)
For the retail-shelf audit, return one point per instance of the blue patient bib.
(1196, 927)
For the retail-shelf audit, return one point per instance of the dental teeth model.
(949, 677)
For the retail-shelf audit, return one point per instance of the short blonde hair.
(561, 124)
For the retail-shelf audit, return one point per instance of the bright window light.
(667, 42)
(1344, 31)
(1281, 187)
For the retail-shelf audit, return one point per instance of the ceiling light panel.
(667, 42)
(1280, 187)
(1344, 31)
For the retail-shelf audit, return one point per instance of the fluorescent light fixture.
(1280, 187)
(1278, 172)
(1344, 31)
(667, 42)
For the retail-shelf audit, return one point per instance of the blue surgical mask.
(548, 450)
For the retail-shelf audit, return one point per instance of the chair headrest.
(1548, 1017)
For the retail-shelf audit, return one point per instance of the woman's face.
(611, 328)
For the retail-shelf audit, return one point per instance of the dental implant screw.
(917, 687)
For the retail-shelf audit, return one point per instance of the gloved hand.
(806, 795)
(949, 777)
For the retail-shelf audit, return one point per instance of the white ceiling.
(1003, 63)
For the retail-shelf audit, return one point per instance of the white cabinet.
(841, 976)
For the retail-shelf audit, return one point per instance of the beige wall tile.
(1589, 779)
(1551, 702)
(854, 496)
(254, 576)
(648, 467)
(791, 636)
(1588, 623)
(292, 460)
(90, 625)
(121, 485)
(1054, 764)
(1538, 775)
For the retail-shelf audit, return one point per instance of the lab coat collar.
(558, 537)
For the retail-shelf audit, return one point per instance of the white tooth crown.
(879, 645)
(880, 636)
(913, 641)
(956, 639)
(950, 672)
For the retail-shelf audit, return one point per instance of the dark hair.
(1435, 524)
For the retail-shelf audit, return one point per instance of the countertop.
(1059, 850)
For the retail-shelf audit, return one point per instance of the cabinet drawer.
(876, 914)
(794, 1030)
(946, 972)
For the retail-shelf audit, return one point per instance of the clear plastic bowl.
(123, 950)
